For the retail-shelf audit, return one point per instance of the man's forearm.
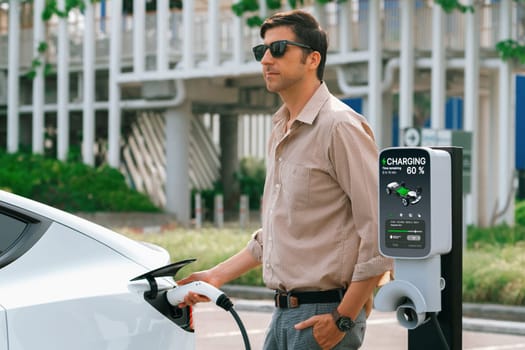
(234, 267)
(356, 296)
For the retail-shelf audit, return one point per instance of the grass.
(493, 262)
(208, 245)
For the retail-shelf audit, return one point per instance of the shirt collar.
(310, 111)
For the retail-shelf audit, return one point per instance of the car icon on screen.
(407, 195)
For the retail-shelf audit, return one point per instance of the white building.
(118, 79)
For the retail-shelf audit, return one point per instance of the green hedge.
(251, 176)
(520, 213)
(494, 274)
(70, 186)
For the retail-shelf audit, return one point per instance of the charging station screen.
(404, 197)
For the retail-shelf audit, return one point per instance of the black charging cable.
(433, 317)
(224, 302)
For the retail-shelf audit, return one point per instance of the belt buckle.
(292, 302)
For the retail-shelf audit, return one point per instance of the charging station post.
(420, 213)
(450, 317)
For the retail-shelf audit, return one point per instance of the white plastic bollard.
(219, 211)
(198, 211)
(244, 210)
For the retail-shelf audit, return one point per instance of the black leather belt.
(294, 299)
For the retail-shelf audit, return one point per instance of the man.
(318, 241)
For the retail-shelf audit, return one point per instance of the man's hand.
(222, 273)
(193, 298)
(325, 331)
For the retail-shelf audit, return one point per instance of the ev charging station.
(420, 227)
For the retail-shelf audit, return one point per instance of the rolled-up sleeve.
(356, 167)
(255, 245)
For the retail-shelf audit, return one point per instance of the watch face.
(345, 324)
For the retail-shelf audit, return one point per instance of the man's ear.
(314, 59)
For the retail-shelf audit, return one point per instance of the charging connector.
(224, 302)
(176, 296)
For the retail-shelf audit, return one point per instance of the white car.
(65, 283)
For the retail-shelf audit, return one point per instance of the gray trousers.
(283, 336)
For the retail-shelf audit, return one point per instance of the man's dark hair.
(306, 29)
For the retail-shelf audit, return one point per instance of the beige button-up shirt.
(319, 228)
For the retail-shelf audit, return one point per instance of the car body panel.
(91, 324)
(48, 274)
(3, 329)
(132, 249)
(72, 290)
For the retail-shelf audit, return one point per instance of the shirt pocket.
(296, 185)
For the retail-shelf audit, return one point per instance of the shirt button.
(277, 186)
(280, 159)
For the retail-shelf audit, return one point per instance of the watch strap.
(343, 323)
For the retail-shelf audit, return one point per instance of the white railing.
(357, 24)
(144, 156)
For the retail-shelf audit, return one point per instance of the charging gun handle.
(176, 295)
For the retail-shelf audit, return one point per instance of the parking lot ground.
(216, 329)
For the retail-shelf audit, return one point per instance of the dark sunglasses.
(277, 48)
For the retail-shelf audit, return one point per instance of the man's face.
(288, 71)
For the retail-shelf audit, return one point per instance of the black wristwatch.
(343, 323)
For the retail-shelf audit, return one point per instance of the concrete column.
(483, 160)
(229, 161)
(320, 13)
(438, 69)
(345, 27)
(493, 150)
(114, 88)
(238, 37)
(213, 33)
(178, 124)
(139, 38)
(471, 109)
(38, 81)
(387, 110)
(374, 72)
(62, 86)
(188, 54)
(88, 86)
(163, 10)
(506, 126)
(13, 82)
(263, 9)
(406, 69)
